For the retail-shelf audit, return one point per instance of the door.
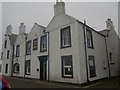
(43, 68)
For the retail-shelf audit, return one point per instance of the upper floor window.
(43, 44)
(65, 37)
(8, 53)
(5, 46)
(35, 44)
(1, 55)
(28, 48)
(89, 39)
(17, 50)
(67, 68)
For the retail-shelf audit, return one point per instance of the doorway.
(43, 68)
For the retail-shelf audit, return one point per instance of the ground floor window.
(92, 66)
(27, 67)
(6, 69)
(16, 68)
(67, 67)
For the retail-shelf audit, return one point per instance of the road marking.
(92, 85)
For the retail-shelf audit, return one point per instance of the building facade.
(67, 50)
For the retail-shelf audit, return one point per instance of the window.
(1, 55)
(5, 46)
(16, 68)
(92, 66)
(27, 67)
(89, 39)
(6, 69)
(28, 48)
(110, 56)
(17, 50)
(8, 53)
(67, 68)
(0, 68)
(43, 45)
(35, 44)
(65, 37)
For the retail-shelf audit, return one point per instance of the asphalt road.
(31, 83)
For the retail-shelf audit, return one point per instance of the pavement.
(16, 82)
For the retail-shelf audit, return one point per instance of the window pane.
(92, 66)
(28, 47)
(67, 61)
(43, 43)
(65, 33)
(35, 44)
(27, 67)
(89, 39)
(67, 70)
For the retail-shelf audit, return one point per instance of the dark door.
(43, 68)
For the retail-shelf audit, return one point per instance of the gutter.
(84, 28)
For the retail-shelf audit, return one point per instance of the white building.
(67, 50)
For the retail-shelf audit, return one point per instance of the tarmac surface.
(16, 82)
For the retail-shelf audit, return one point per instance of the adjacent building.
(67, 50)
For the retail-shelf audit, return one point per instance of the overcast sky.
(96, 13)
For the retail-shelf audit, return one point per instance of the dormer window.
(65, 37)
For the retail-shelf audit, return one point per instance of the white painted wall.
(21, 59)
(5, 60)
(35, 63)
(100, 56)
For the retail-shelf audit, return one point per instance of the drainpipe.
(84, 29)
(107, 58)
(48, 56)
(25, 54)
(12, 60)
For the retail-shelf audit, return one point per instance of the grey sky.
(95, 13)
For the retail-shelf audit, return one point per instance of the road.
(16, 82)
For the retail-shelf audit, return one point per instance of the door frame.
(43, 67)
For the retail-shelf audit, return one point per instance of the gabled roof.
(60, 21)
(37, 25)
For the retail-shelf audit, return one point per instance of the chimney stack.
(59, 8)
(109, 24)
(22, 28)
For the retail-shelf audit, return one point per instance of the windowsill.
(111, 63)
(67, 76)
(65, 46)
(93, 76)
(91, 47)
(43, 50)
(28, 54)
(27, 74)
(34, 49)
